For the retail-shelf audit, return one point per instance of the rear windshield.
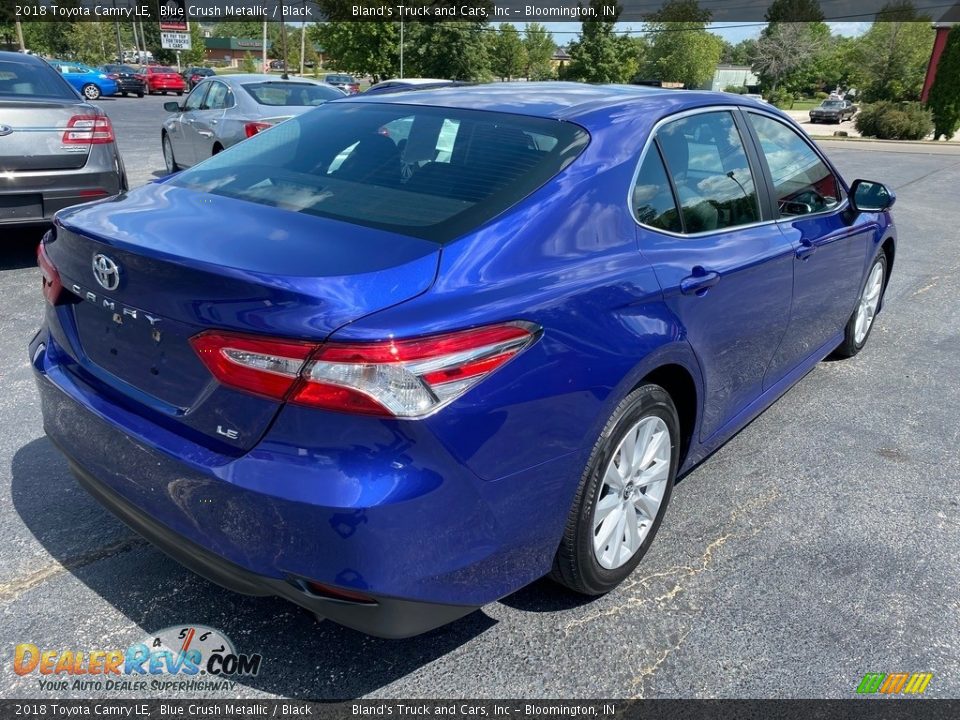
(291, 93)
(32, 80)
(832, 103)
(163, 70)
(434, 173)
(119, 69)
(339, 79)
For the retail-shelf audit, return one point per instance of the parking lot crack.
(15, 588)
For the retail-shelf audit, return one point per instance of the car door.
(181, 130)
(725, 268)
(829, 245)
(206, 121)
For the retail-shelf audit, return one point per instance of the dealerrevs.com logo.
(184, 658)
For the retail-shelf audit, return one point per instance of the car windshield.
(32, 80)
(434, 173)
(832, 104)
(339, 79)
(291, 93)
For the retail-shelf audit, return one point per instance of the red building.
(943, 27)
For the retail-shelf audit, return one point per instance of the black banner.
(875, 709)
(174, 11)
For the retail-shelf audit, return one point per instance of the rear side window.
(711, 175)
(294, 93)
(218, 97)
(653, 201)
(25, 80)
(433, 173)
(802, 182)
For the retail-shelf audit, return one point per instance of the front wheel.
(168, 157)
(179, 93)
(91, 91)
(623, 494)
(861, 322)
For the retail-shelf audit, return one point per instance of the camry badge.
(106, 272)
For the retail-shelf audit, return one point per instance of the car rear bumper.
(130, 85)
(31, 197)
(409, 528)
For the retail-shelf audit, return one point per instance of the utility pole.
(401, 49)
(23, 48)
(263, 66)
(116, 26)
(303, 39)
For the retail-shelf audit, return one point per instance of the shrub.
(944, 100)
(894, 121)
(782, 98)
(736, 89)
(821, 95)
(247, 64)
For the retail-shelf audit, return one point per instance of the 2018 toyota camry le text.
(401, 355)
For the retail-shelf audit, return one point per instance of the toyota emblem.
(106, 271)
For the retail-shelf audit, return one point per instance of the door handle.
(806, 249)
(214, 122)
(205, 133)
(699, 282)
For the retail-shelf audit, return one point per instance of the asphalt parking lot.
(820, 544)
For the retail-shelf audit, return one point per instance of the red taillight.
(52, 287)
(141, 78)
(88, 130)
(398, 378)
(113, 76)
(252, 128)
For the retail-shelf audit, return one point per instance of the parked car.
(392, 398)
(128, 80)
(833, 111)
(56, 149)
(277, 65)
(91, 83)
(161, 79)
(222, 111)
(194, 75)
(347, 83)
(755, 96)
(408, 84)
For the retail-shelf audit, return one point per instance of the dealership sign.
(175, 40)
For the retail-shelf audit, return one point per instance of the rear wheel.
(123, 93)
(179, 93)
(91, 91)
(140, 94)
(623, 494)
(163, 92)
(861, 322)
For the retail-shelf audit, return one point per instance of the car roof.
(238, 78)
(8, 56)
(559, 100)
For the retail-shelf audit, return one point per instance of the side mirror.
(172, 106)
(870, 196)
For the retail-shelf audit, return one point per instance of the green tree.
(247, 65)
(197, 53)
(451, 50)
(791, 11)
(944, 100)
(681, 48)
(368, 48)
(539, 46)
(894, 52)
(740, 54)
(508, 56)
(598, 55)
(783, 53)
(93, 43)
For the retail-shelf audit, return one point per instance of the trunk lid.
(188, 262)
(33, 138)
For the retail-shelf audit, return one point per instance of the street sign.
(175, 41)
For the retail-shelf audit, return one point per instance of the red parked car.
(163, 80)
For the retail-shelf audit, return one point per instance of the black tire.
(575, 565)
(170, 160)
(123, 93)
(140, 94)
(179, 93)
(850, 347)
(163, 92)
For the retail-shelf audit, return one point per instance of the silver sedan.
(223, 110)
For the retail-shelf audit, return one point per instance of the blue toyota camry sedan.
(399, 356)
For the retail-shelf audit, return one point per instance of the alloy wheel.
(869, 301)
(631, 492)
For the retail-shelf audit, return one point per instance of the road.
(819, 544)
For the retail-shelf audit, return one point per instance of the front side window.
(429, 172)
(195, 98)
(711, 175)
(217, 97)
(803, 184)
